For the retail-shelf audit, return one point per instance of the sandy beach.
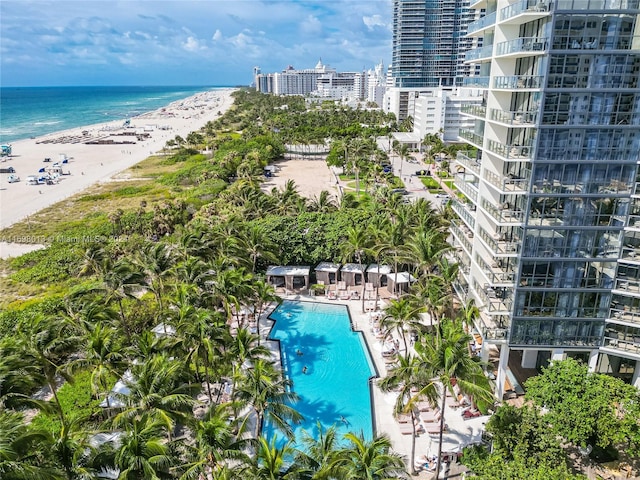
(96, 153)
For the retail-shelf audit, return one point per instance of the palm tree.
(244, 349)
(159, 388)
(262, 293)
(119, 281)
(143, 454)
(217, 440)
(273, 462)
(445, 359)
(157, 262)
(256, 245)
(402, 315)
(406, 378)
(425, 248)
(355, 246)
(17, 443)
(48, 343)
(320, 456)
(269, 394)
(370, 460)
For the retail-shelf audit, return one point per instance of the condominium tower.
(548, 234)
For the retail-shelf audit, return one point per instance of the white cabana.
(327, 273)
(352, 274)
(119, 389)
(399, 282)
(289, 277)
(377, 274)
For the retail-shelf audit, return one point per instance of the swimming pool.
(334, 387)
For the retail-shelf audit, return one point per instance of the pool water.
(329, 365)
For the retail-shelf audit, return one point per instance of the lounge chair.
(405, 428)
(432, 416)
(343, 295)
(434, 428)
(331, 295)
(355, 295)
(424, 406)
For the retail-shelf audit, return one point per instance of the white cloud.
(373, 21)
(192, 45)
(217, 35)
(311, 25)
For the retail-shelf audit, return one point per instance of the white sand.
(310, 176)
(88, 163)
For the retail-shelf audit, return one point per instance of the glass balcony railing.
(622, 315)
(464, 213)
(518, 82)
(628, 285)
(499, 246)
(495, 274)
(475, 110)
(522, 45)
(525, 6)
(477, 82)
(482, 23)
(631, 346)
(469, 163)
(503, 213)
(474, 138)
(519, 152)
(523, 118)
(496, 300)
(478, 53)
(509, 183)
(463, 235)
(493, 327)
(470, 190)
(597, 5)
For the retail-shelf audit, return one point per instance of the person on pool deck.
(304, 369)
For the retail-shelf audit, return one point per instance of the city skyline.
(70, 43)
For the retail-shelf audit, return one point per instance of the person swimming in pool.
(299, 353)
(304, 369)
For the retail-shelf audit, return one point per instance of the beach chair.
(431, 416)
(434, 428)
(344, 294)
(331, 295)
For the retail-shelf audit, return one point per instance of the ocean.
(34, 111)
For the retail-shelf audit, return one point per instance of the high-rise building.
(429, 43)
(548, 235)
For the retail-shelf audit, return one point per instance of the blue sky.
(206, 42)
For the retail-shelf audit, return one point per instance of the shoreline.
(96, 153)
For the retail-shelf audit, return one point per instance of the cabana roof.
(382, 269)
(352, 268)
(328, 267)
(289, 270)
(120, 388)
(401, 277)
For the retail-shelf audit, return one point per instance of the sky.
(185, 42)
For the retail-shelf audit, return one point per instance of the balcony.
(477, 4)
(498, 245)
(493, 327)
(496, 300)
(474, 29)
(476, 54)
(509, 183)
(630, 253)
(464, 213)
(597, 5)
(518, 82)
(503, 214)
(626, 346)
(496, 275)
(627, 286)
(624, 316)
(634, 222)
(469, 163)
(525, 11)
(509, 152)
(516, 118)
(477, 82)
(469, 189)
(463, 235)
(522, 46)
(478, 111)
(473, 138)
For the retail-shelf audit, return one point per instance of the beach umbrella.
(41, 170)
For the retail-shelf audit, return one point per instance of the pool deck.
(459, 431)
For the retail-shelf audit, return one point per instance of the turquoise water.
(335, 388)
(34, 111)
